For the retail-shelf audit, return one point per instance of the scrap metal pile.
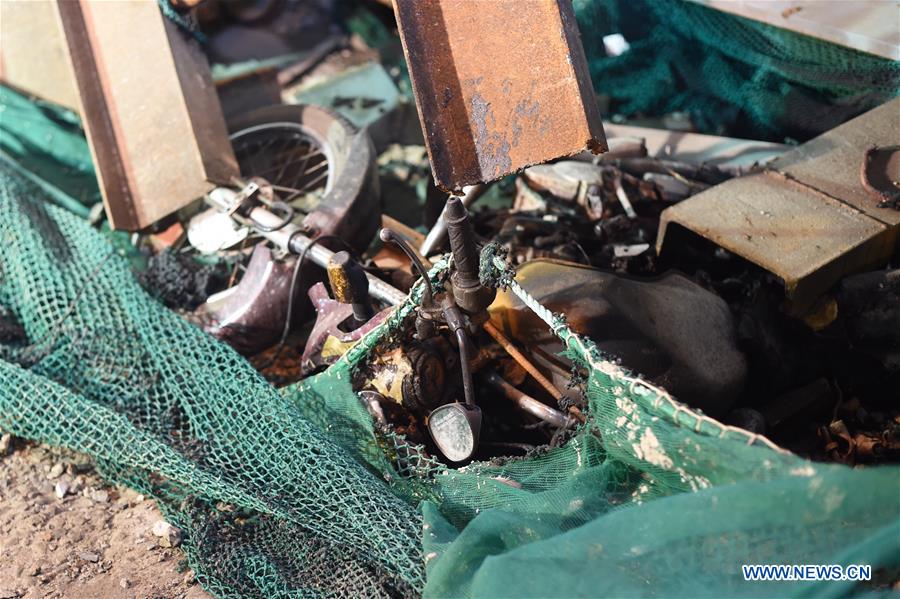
(477, 374)
(584, 234)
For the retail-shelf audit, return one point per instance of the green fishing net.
(297, 493)
(732, 75)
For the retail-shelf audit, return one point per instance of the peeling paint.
(491, 147)
(651, 451)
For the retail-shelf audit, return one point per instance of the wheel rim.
(289, 157)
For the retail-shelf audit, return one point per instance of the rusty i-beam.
(152, 117)
(500, 85)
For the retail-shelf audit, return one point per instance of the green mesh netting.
(296, 493)
(108, 371)
(49, 142)
(732, 74)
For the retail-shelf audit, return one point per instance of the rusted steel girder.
(500, 85)
(153, 120)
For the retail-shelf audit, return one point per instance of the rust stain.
(531, 102)
(491, 146)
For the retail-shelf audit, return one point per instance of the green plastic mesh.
(297, 493)
(50, 144)
(732, 74)
(108, 371)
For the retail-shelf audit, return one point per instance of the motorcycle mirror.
(455, 428)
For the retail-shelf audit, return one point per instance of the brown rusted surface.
(806, 238)
(500, 85)
(150, 109)
(830, 163)
(879, 174)
(809, 220)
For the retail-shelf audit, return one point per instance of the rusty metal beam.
(500, 85)
(807, 220)
(150, 109)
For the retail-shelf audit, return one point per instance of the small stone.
(89, 556)
(160, 527)
(100, 496)
(56, 471)
(61, 488)
(169, 536)
(34, 570)
(5, 443)
(123, 582)
(36, 455)
(189, 577)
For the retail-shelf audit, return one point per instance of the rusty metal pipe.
(529, 367)
(291, 238)
(528, 403)
(522, 360)
(470, 295)
(462, 242)
(438, 234)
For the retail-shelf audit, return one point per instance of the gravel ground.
(63, 533)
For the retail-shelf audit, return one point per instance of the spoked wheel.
(319, 164)
(289, 158)
(316, 160)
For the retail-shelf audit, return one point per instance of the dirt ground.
(96, 541)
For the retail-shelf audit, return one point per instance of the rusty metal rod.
(521, 359)
(438, 233)
(528, 403)
(530, 368)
